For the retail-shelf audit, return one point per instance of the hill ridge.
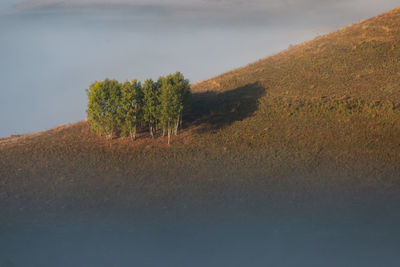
(221, 82)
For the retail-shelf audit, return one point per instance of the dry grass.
(359, 61)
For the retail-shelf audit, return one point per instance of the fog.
(303, 238)
(52, 50)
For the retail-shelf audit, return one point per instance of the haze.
(51, 50)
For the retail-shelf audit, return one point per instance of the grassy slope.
(338, 94)
(360, 60)
(335, 97)
(304, 124)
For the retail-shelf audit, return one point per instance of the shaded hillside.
(314, 124)
(70, 170)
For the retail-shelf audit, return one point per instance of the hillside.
(360, 60)
(317, 123)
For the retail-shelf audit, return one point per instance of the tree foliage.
(151, 91)
(104, 100)
(174, 98)
(120, 108)
(131, 101)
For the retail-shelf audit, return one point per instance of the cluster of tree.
(120, 108)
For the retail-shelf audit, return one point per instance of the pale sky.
(51, 50)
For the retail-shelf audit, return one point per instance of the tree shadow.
(217, 110)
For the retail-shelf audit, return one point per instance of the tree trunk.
(133, 133)
(176, 128)
(134, 127)
(109, 135)
(169, 135)
(180, 121)
(151, 130)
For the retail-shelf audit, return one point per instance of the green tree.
(183, 92)
(130, 107)
(115, 107)
(104, 98)
(169, 107)
(150, 103)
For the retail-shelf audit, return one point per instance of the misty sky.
(51, 50)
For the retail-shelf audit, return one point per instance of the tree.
(182, 90)
(129, 110)
(104, 97)
(169, 107)
(119, 108)
(150, 103)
